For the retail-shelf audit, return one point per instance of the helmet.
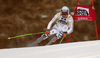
(65, 9)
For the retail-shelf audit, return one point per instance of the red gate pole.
(69, 38)
(77, 2)
(92, 3)
(96, 30)
(95, 23)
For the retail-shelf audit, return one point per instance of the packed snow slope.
(88, 49)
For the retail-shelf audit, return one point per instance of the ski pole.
(61, 40)
(25, 35)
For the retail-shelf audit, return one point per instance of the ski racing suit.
(61, 25)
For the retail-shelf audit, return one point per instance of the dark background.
(19, 17)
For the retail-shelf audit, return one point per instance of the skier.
(63, 25)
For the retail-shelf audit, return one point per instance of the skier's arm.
(71, 25)
(52, 21)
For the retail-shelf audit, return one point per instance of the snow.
(44, 16)
(86, 38)
(87, 49)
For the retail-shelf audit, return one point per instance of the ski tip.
(9, 38)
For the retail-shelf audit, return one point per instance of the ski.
(37, 41)
(52, 40)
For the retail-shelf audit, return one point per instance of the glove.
(64, 35)
(47, 31)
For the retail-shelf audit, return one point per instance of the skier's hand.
(64, 35)
(47, 31)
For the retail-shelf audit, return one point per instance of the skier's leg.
(53, 31)
(54, 38)
(62, 29)
(59, 34)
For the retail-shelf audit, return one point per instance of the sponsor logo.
(82, 18)
(82, 11)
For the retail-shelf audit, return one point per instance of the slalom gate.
(85, 13)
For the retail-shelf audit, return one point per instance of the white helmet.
(65, 9)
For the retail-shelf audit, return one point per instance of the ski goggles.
(64, 13)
